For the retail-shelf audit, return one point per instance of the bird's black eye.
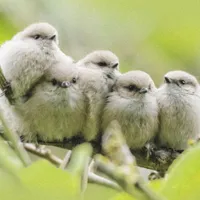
(102, 64)
(36, 37)
(109, 76)
(182, 82)
(54, 81)
(149, 87)
(132, 87)
(74, 80)
(115, 65)
(53, 37)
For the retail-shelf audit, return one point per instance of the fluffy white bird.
(56, 108)
(25, 58)
(64, 104)
(94, 86)
(55, 99)
(30, 62)
(103, 60)
(179, 104)
(133, 104)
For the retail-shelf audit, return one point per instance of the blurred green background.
(155, 36)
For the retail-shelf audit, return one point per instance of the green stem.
(12, 136)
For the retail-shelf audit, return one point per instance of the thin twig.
(65, 160)
(12, 136)
(121, 165)
(92, 178)
(85, 175)
(9, 160)
(3, 81)
(5, 87)
(91, 166)
(155, 161)
(43, 153)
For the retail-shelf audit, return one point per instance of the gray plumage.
(179, 104)
(103, 60)
(133, 104)
(38, 71)
(56, 108)
(95, 88)
(55, 99)
(26, 57)
(67, 102)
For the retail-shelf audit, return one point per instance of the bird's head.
(101, 59)
(62, 77)
(39, 32)
(134, 84)
(180, 80)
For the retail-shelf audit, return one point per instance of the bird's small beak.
(53, 37)
(65, 84)
(143, 90)
(115, 65)
(167, 80)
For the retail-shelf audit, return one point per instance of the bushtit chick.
(100, 60)
(39, 74)
(66, 102)
(55, 101)
(133, 104)
(25, 58)
(56, 108)
(93, 85)
(103, 60)
(179, 104)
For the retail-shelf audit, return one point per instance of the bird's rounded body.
(179, 116)
(53, 113)
(31, 62)
(136, 113)
(95, 89)
(23, 59)
(138, 118)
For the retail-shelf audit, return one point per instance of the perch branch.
(92, 177)
(5, 87)
(65, 160)
(159, 159)
(12, 136)
(43, 153)
(120, 164)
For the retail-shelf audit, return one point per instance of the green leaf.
(9, 160)
(7, 28)
(183, 178)
(99, 192)
(155, 184)
(122, 196)
(42, 179)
